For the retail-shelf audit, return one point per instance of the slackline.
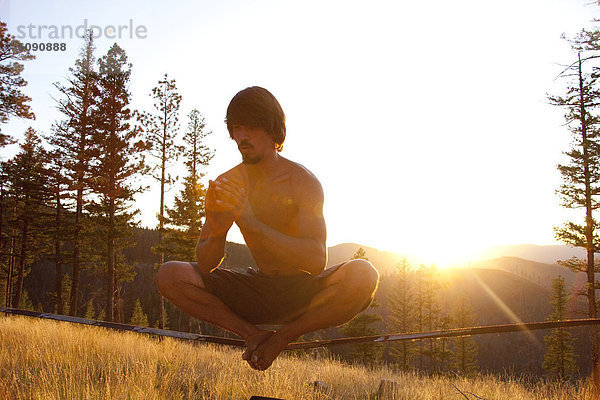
(478, 330)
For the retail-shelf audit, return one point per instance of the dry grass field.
(41, 359)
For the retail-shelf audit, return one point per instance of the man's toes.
(247, 354)
(254, 362)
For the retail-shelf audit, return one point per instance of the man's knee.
(174, 273)
(363, 274)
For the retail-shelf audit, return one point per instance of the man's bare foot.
(253, 342)
(268, 351)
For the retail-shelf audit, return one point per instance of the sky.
(427, 123)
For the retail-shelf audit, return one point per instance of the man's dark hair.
(258, 108)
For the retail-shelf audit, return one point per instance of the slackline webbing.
(479, 330)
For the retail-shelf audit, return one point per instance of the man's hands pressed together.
(219, 218)
(231, 198)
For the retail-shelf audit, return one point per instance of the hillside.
(385, 261)
(530, 262)
(497, 297)
(536, 272)
(542, 254)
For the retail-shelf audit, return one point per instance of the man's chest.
(274, 203)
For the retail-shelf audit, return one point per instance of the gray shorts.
(265, 299)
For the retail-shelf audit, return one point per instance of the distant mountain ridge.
(542, 254)
(385, 261)
(535, 263)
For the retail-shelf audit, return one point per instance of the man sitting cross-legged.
(278, 206)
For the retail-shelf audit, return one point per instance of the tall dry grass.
(41, 359)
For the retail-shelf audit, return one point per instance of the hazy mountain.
(539, 273)
(541, 254)
(384, 261)
(529, 262)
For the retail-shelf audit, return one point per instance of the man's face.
(253, 143)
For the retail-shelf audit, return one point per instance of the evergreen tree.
(443, 345)
(431, 312)
(25, 302)
(28, 189)
(12, 101)
(465, 348)
(72, 138)
(184, 220)
(65, 295)
(89, 311)
(560, 355)
(60, 229)
(6, 239)
(161, 131)
(581, 175)
(360, 254)
(420, 313)
(118, 159)
(365, 353)
(138, 318)
(402, 308)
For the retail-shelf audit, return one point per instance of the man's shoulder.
(306, 185)
(300, 174)
(236, 171)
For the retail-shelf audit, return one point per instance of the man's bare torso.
(275, 199)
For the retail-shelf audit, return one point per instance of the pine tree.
(60, 230)
(28, 189)
(560, 355)
(465, 348)
(161, 131)
(5, 236)
(12, 101)
(25, 302)
(65, 296)
(431, 311)
(118, 159)
(89, 311)
(72, 139)
(443, 346)
(420, 313)
(402, 308)
(138, 318)
(360, 254)
(581, 175)
(184, 220)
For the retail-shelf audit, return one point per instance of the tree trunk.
(76, 253)
(589, 236)
(21, 272)
(81, 170)
(58, 257)
(161, 319)
(11, 268)
(110, 271)
(118, 302)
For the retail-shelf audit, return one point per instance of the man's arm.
(210, 248)
(308, 251)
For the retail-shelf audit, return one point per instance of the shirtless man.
(278, 206)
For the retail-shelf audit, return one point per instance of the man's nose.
(242, 132)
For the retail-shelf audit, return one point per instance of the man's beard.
(248, 159)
